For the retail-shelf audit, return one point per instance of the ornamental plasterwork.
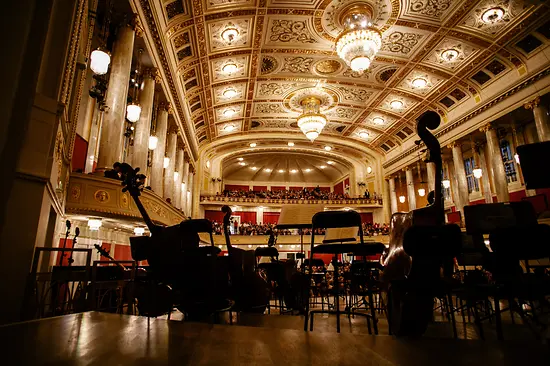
(435, 10)
(218, 65)
(285, 31)
(406, 104)
(330, 19)
(297, 65)
(268, 108)
(463, 50)
(512, 9)
(229, 127)
(355, 95)
(326, 96)
(327, 67)
(274, 89)
(358, 134)
(229, 112)
(431, 81)
(273, 124)
(242, 40)
(238, 88)
(344, 113)
(401, 42)
(334, 127)
(222, 4)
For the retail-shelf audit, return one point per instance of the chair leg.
(337, 294)
(452, 314)
(373, 313)
(311, 321)
(498, 319)
(478, 321)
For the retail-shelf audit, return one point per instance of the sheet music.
(298, 214)
(344, 233)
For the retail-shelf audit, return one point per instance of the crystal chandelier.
(311, 122)
(360, 41)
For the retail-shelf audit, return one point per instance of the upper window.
(473, 183)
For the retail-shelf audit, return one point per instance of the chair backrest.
(266, 252)
(336, 219)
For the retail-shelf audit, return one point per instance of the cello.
(421, 249)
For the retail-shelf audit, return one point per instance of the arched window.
(508, 160)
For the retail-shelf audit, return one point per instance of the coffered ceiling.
(437, 54)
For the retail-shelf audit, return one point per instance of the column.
(157, 171)
(169, 171)
(460, 174)
(138, 153)
(191, 194)
(521, 141)
(485, 181)
(177, 180)
(386, 193)
(430, 172)
(112, 129)
(411, 194)
(184, 185)
(393, 196)
(499, 173)
(540, 113)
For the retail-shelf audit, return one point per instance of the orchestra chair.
(272, 272)
(336, 247)
(515, 238)
(318, 286)
(110, 288)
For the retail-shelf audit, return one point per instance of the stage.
(107, 339)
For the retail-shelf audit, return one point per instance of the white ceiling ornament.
(268, 108)
(492, 16)
(355, 95)
(226, 128)
(397, 104)
(229, 112)
(237, 65)
(229, 93)
(230, 34)
(328, 99)
(271, 89)
(420, 82)
(450, 54)
(343, 113)
(379, 120)
(401, 41)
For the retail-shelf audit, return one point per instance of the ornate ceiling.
(247, 81)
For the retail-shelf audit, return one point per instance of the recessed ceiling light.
(364, 135)
(330, 162)
(307, 170)
(290, 144)
(328, 148)
(281, 171)
(396, 104)
(253, 144)
(240, 159)
(267, 170)
(242, 163)
(492, 15)
(229, 34)
(228, 112)
(253, 168)
(449, 55)
(229, 128)
(229, 67)
(294, 171)
(322, 167)
(229, 93)
(378, 120)
(419, 83)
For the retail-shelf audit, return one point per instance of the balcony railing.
(280, 201)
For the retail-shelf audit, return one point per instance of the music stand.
(298, 216)
(535, 168)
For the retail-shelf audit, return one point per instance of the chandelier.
(311, 122)
(360, 41)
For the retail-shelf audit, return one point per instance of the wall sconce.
(402, 199)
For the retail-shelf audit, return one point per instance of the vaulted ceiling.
(282, 49)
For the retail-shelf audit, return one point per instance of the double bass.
(421, 249)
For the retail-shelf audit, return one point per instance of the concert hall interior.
(349, 181)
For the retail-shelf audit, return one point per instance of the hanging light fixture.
(311, 122)
(153, 142)
(166, 162)
(478, 173)
(139, 231)
(446, 183)
(100, 59)
(421, 190)
(516, 156)
(402, 199)
(133, 111)
(360, 41)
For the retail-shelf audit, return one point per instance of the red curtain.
(214, 215)
(366, 217)
(236, 187)
(69, 244)
(246, 216)
(339, 188)
(122, 253)
(271, 217)
(79, 154)
(478, 202)
(259, 188)
(273, 188)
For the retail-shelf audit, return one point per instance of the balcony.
(93, 195)
(242, 201)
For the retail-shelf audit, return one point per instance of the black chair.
(338, 219)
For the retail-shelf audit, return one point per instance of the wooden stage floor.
(108, 339)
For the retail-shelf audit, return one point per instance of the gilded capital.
(150, 72)
(454, 144)
(532, 104)
(158, 77)
(486, 128)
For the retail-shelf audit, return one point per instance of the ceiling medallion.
(327, 67)
(360, 41)
(396, 104)
(311, 122)
(449, 55)
(228, 128)
(230, 33)
(229, 68)
(228, 112)
(419, 83)
(492, 15)
(229, 93)
(364, 135)
(378, 120)
(268, 65)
